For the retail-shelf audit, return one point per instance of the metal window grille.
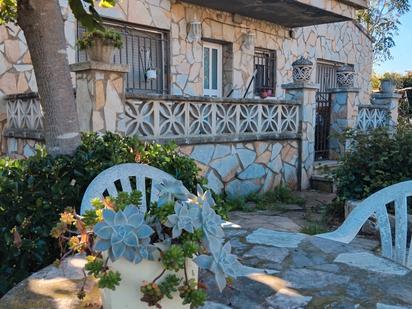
(326, 75)
(265, 66)
(142, 49)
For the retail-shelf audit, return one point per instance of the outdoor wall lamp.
(248, 40)
(194, 33)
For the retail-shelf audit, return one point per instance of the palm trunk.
(43, 26)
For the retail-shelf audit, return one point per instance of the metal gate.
(322, 128)
(326, 78)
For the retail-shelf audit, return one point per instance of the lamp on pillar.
(302, 70)
(345, 76)
(194, 32)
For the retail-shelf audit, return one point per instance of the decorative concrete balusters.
(344, 109)
(390, 102)
(24, 127)
(372, 116)
(100, 98)
(242, 146)
(304, 91)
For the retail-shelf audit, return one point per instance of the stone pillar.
(100, 95)
(343, 116)
(305, 93)
(389, 100)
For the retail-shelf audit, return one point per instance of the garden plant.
(180, 226)
(375, 160)
(33, 191)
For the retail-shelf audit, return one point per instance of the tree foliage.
(84, 11)
(8, 11)
(401, 80)
(382, 21)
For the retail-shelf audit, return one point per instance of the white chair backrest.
(376, 205)
(108, 181)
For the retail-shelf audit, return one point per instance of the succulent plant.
(186, 217)
(172, 189)
(123, 234)
(211, 225)
(202, 198)
(222, 263)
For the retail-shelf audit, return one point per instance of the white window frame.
(213, 92)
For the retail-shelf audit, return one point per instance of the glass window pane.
(206, 61)
(214, 69)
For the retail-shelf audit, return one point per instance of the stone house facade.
(213, 64)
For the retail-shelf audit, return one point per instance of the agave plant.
(123, 234)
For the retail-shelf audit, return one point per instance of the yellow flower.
(74, 243)
(97, 203)
(90, 258)
(67, 217)
(99, 215)
(58, 230)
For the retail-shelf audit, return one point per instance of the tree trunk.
(43, 26)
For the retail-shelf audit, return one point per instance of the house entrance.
(326, 78)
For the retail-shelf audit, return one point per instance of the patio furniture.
(111, 180)
(375, 205)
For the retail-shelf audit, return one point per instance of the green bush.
(34, 191)
(271, 200)
(377, 159)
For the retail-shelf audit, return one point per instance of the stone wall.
(341, 42)
(22, 148)
(244, 168)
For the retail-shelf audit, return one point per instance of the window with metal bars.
(143, 49)
(265, 68)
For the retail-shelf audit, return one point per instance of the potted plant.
(388, 85)
(263, 93)
(143, 259)
(100, 44)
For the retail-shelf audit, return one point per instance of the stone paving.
(309, 272)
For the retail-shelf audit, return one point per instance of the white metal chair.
(375, 205)
(108, 181)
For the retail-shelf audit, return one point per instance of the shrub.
(34, 191)
(281, 195)
(377, 159)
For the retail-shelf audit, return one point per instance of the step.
(323, 183)
(324, 166)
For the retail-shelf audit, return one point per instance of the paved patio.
(299, 271)
(304, 271)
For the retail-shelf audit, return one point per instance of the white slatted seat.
(105, 182)
(375, 205)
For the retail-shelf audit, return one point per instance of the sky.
(402, 52)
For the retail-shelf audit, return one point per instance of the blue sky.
(402, 52)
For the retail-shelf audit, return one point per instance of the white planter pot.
(151, 74)
(127, 295)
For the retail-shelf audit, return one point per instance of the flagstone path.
(309, 272)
